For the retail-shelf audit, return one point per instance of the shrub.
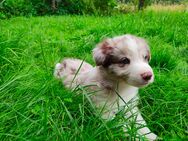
(16, 8)
(86, 7)
(45, 7)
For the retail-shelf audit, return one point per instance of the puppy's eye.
(146, 58)
(125, 60)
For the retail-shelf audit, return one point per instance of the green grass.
(35, 106)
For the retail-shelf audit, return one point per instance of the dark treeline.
(9, 8)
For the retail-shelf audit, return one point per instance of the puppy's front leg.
(141, 124)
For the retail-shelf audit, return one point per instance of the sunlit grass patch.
(166, 7)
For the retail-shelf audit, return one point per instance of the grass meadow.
(35, 106)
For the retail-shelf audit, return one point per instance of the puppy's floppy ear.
(102, 52)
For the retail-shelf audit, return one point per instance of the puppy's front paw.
(151, 137)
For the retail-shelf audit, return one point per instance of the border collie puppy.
(121, 68)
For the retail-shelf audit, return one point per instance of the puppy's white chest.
(127, 93)
(115, 101)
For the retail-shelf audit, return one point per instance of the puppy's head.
(125, 57)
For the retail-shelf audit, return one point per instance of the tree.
(141, 4)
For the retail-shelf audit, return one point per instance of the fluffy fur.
(122, 67)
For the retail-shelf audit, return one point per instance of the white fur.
(116, 83)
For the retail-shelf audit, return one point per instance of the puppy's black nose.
(146, 75)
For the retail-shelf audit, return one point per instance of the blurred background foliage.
(9, 8)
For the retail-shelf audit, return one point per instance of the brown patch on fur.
(106, 48)
(110, 59)
(64, 64)
(73, 71)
